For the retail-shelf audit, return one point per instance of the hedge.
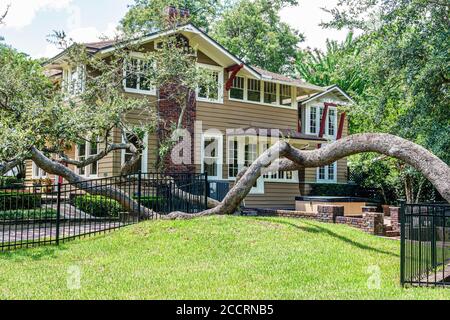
(98, 206)
(19, 200)
(152, 202)
(28, 214)
(342, 190)
(6, 181)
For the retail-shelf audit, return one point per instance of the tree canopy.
(144, 16)
(253, 31)
(250, 29)
(398, 71)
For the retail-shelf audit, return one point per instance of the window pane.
(322, 173)
(331, 122)
(285, 95)
(237, 89)
(131, 81)
(211, 91)
(233, 165)
(143, 77)
(210, 156)
(313, 120)
(270, 93)
(94, 151)
(331, 172)
(211, 169)
(254, 90)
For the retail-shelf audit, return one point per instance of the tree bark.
(127, 202)
(283, 157)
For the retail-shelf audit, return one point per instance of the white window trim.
(219, 138)
(87, 169)
(293, 180)
(318, 121)
(144, 156)
(261, 101)
(220, 85)
(151, 92)
(67, 79)
(42, 173)
(326, 180)
(260, 188)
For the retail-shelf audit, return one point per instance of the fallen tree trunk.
(284, 157)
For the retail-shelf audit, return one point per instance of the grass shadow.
(313, 228)
(33, 253)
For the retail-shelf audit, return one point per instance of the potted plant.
(47, 185)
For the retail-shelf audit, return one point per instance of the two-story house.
(250, 99)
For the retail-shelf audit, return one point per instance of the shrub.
(98, 206)
(342, 190)
(6, 181)
(19, 200)
(28, 214)
(152, 202)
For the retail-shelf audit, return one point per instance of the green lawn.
(213, 258)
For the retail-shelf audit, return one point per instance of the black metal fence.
(425, 244)
(49, 214)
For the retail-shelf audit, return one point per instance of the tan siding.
(276, 195)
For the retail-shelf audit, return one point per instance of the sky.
(29, 22)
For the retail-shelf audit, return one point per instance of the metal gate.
(425, 244)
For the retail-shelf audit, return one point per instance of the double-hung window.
(233, 157)
(314, 120)
(142, 163)
(212, 91)
(38, 173)
(136, 76)
(84, 150)
(327, 174)
(74, 80)
(212, 155)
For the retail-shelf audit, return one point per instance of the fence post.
(206, 191)
(402, 241)
(58, 212)
(139, 194)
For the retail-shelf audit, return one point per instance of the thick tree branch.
(97, 157)
(91, 187)
(9, 165)
(434, 169)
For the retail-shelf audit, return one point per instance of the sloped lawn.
(214, 258)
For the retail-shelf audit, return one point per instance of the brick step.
(388, 228)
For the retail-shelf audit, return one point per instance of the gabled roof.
(105, 47)
(335, 89)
